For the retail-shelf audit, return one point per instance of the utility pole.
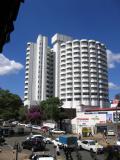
(17, 148)
(117, 116)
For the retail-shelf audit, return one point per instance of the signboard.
(109, 118)
(92, 119)
(116, 117)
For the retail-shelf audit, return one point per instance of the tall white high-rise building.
(80, 72)
(39, 72)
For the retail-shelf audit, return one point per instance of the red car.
(45, 128)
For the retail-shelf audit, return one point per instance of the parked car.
(44, 128)
(35, 144)
(41, 157)
(36, 127)
(110, 133)
(29, 125)
(6, 124)
(57, 131)
(90, 145)
(118, 142)
(14, 122)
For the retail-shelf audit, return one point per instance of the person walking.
(79, 136)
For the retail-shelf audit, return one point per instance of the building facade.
(39, 72)
(77, 68)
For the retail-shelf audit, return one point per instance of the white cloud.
(112, 58)
(113, 86)
(8, 66)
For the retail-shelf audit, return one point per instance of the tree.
(117, 96)
(51, 108)
(9, 105)
(22, 113)
(34, 114)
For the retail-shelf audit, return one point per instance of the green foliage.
(117, 96)
(9, 104)
(51, 108)
(22, 113)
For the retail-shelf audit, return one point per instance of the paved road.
(50, 149)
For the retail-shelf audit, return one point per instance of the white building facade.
(82, 73)
(78, 67)
(39, 72)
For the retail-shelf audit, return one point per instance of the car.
(118, 142)
(44, 128)
(29, 125)
(36, 127)
(57, 131)
(45, 139)
(15, 122)
(35, 136)
(35, 144)
(41, 157)
(90, 145)
(57, 143)
(110, 133)
(48, 140)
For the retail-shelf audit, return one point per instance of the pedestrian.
(105, 134)
(90, 134)
(57, 150)
(79, 136)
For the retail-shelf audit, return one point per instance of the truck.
(68, 141)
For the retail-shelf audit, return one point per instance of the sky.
(89, 19)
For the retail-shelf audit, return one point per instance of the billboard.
(91, 119)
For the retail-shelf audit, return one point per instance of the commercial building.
(97, 120)
(78, 72)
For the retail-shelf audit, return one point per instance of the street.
(85, 155)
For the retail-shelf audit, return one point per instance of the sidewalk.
(104, 141)
(11, 155)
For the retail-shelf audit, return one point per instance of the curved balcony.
(84, 50)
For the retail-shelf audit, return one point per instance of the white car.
(45, 139)
(28, 125)
(36, 127)
(56, 142)
(58, 131)
(90, 145)
(15, 122)
(110, 133)
(118, 142)
(42, 157)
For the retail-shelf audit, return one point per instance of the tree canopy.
(117, 96)
(50, 108)
(34, 114)
(9, 104)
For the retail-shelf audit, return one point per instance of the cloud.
(113, 58)
(8, 66)
(113, 86)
